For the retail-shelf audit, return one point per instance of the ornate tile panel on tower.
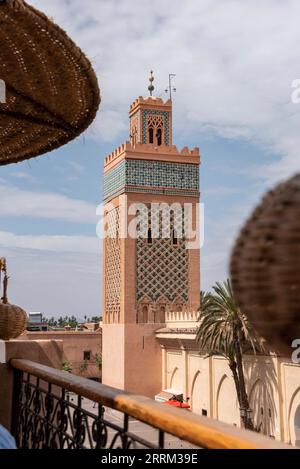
(151, 176)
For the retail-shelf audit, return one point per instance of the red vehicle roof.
(183, 405)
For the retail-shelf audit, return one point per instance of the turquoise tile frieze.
(174, 178)
(114, 180)
(162, 174)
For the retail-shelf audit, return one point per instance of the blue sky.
(235, 61)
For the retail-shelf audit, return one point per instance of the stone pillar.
(44, 352)
(164, 367)
(185, 372)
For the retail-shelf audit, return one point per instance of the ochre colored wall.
(142, 360)
(128, 349)
(113, 355)
(74, 345)
(44, 352)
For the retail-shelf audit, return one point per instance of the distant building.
(36, 323)
(82, 350)
(90, 326)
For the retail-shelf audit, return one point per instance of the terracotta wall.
(45, 352)
(74, 345)
(113, 355)
(132, 358)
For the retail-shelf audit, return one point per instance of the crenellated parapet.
(149, 101)
(120, 150)
(149, 151)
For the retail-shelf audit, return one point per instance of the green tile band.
(175, 178)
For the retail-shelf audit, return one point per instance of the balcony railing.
(181, 316)
(44, 416)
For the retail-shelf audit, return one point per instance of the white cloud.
(16, 202)
(220, 233)
(55, 243)
(235, 63)
(55, 283)
(23, 175)
(54, 274)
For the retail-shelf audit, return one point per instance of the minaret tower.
(149, 271)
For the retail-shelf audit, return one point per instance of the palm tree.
(224, 330)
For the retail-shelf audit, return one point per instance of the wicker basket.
(13, 321)
(265, 267)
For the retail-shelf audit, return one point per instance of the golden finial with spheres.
(151, 79)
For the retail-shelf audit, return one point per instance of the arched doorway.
(227, 406)
(175, 382)
(294, 418)
(263, 409)
(196, 394)
(297, 426)
(258, 407)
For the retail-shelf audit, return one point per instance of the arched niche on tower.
(143, 310)
(155, 128)
(178, 305)
(162, 307)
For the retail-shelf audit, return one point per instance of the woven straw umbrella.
(265, 266)
(48, 96)
(52, 93)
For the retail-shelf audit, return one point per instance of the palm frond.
(220, 320)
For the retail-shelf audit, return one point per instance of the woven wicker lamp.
(265, 267)
(13, 319)
(52, 93)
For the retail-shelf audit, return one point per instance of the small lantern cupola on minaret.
(151, 119)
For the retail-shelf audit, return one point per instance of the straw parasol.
(265, 266)
(48, 96)
(52, 93)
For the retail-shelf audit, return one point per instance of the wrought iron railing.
(45, 415)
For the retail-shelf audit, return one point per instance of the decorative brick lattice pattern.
(112, 267)
(162, 268)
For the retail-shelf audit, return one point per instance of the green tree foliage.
(224, 330)
(66, 366)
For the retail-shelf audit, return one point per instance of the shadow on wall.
(296, 423)
(294, 418)
(227, 402)
(263, 392)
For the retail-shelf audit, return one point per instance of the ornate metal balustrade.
(47, 420)
(47, 417)
(44, 416)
